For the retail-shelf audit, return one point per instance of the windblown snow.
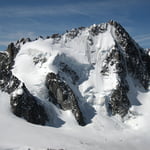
(35, 60)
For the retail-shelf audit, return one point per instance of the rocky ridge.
(126, 57)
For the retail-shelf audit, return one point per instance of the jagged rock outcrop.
(12, 52)
(119, 102)
(23, 41)
(62, 95)
(146, 59)
(25, 105)
(136, 58)
(128, 58)
(69, 72)
(8, 82)
(97, 29)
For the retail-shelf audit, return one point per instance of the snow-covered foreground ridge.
(91, 80)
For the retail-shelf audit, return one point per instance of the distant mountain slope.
(97, 77)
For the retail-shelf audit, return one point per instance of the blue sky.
(32, 18)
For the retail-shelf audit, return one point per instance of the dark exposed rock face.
(23, 41)
(146, 61)
(136, 58)
(128, 58)
(54, 36)
(8, 82)
(25, 105)
(69, 72)
(62, 95)
(119, 102)
(96, 29)
(73, 33)
(12, 51)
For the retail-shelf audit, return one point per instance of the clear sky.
(32, 18)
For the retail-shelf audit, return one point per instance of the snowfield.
(103, 132)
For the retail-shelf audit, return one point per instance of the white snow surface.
(77, 53)
(35, 60)
(104, 133)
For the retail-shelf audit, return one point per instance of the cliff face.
(72, 71)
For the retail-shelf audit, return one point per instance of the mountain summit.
(79, 72)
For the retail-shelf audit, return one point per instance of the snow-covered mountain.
(92, 80)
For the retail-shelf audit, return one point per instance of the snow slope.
(102, 134)
(36, 59)
(77, 53)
